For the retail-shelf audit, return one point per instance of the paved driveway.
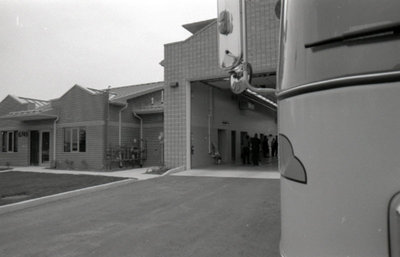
(168, 216)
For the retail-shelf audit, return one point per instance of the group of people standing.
(256, 147)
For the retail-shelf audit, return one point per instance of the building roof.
(197, 26)
(121, 94)
(41, 109)
(40, 113)
(37, 103)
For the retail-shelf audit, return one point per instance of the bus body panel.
(348, 142)
(307, 21)
(339, 113)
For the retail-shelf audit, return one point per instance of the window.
(82, 140)
(67, 140)
(9, 141)
(4, 141)
(75, 140)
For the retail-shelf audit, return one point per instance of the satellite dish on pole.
(229, 33)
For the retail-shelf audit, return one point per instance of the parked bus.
(339, 128)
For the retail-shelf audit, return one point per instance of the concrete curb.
(65, 195)
(11, 169)
(174, 170)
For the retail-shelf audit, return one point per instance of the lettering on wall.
(23, 133)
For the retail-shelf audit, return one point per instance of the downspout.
(55, 142)
(210, 114)
(106, 121)
(141, 135)
(120, 124)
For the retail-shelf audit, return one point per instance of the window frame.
(74, 144)
(9, 141)
(75, 141)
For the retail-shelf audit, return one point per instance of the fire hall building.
(181, 122)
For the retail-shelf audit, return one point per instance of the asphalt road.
(164, 217)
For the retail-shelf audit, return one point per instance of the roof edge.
(195, 27)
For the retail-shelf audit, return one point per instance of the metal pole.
(244, 38)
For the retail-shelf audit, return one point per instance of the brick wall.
(196, 58)
(78, 105)
(20, 158)
(129, 132)
(79, 108)
(92, 158)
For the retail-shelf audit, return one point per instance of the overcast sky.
(47, 46)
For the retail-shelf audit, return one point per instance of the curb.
(60, 196)
(174, 170)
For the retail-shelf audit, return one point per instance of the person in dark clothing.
(265, 146)
(255, 147)
(246, 150)
(274, 146)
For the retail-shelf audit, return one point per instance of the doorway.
(45, 147)
(233, 145)
(39, 147)
(34, 148)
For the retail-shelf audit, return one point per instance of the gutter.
(210, 115)
(120, 123)
(141, 135)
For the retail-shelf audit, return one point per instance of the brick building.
(200, 110)
(76, 130)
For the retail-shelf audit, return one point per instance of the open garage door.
(219, 119)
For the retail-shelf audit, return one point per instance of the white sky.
(47, 46)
